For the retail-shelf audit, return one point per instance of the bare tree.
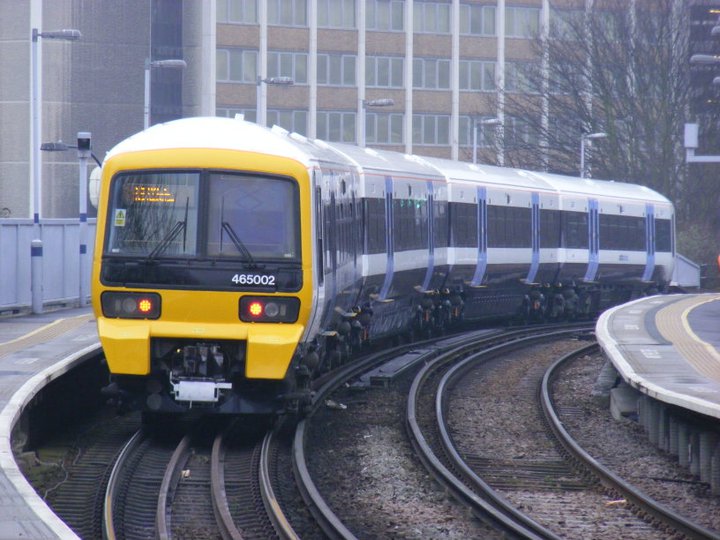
(610, 69)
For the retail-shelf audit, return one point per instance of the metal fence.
(60, 262)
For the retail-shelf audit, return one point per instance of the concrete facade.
(95, 84)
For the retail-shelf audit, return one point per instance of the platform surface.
(34, 350)
(668, 347)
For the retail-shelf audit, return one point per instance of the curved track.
(164, 486)
(490, 490)
(645, 504)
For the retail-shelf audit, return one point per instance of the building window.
(431, 129)
(431, 17)
(519, 133)
(236, 65)
(293, 121)
(288, 64)
(384, 15)
(287, 12)
(336, 69)
(477, 75)
(518, 77)
(477, 20)
(384, 72)
(564, 23)
(336, 13)
(336, 126)
(383, 128)
(522, 22)
(237, 11)
(249, 115)
(431, 73)
(486, 135)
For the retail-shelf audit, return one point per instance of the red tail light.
(278, 309)
(122, 305)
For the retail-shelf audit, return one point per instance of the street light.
(261, 115)
(586, 137)
(36, 244)
(83, 152)
(160, 64)
(380, 102)
(483, 122)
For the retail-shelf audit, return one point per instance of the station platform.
(667, 347)
(34, 350)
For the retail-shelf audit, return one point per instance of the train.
(234, 263)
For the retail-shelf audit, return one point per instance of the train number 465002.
(253, 279)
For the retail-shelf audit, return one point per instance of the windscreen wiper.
(241, 247)
(172, 234)
(167, 240)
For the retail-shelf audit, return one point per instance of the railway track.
(205, 484)
(228, 483)
(541, 494)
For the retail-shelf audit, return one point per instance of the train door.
(535, 243)
(593, 240)
(649, 242)
(319, 296)
(389, 242)
(431, 237)
(482, 259)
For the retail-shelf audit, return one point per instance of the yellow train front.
(202, 284)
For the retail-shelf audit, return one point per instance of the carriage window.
(154, 214)
(663, 235)
(374, 217)
(463, 224)
(575, 230)
(624, 233)
(549, 228)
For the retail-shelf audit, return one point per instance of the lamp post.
(583, 142)
(160, 64)
(380, 102)
(483, 122)
(83, 152)
(36, 248)
(261, 106)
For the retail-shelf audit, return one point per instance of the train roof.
(487, 174)
(371, 159)
(217, 132)
(600, 188)
(237, 134)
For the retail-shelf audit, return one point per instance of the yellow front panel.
(126, 345)
(270, 348)
(203, 314)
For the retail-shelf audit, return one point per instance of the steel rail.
(273, 508)
(220, 505)
(168, 486)
(469, 477)
(109, 504)
(331, 525)
(606, 476)
(492, 508)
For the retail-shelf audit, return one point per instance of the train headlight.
(277, 309)
(122, 305)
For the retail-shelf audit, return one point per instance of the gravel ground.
(494, 417)
(368, 473)
(625, 449)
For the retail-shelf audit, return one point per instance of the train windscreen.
(183, 214)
